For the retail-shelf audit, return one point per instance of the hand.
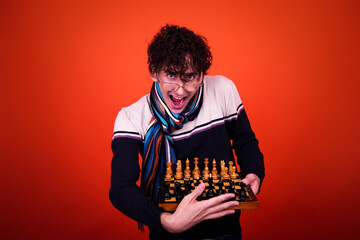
(254, 182)
(191, 212)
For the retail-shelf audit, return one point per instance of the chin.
(177, 111)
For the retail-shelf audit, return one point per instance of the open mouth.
(177, 102)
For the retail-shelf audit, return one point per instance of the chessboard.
(174, 187)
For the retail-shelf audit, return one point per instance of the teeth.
(177, 101)
(177, 98)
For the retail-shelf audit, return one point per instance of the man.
(186, 115)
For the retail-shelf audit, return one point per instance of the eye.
(171, 75)
(191, 77)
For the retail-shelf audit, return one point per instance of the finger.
(255, 189)
(219, 214)
(197, 191)
(217, 200)
(221, 207)
(253, 185)
(246, 181)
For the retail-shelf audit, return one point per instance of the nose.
(181, 89)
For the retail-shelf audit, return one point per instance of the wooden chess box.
(175, 186)
(172, 191)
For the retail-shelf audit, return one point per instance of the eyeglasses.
(188, 86)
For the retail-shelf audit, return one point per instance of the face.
(175, 91)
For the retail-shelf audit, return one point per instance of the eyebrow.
(192, 73)
(174, 71)
(170, 70)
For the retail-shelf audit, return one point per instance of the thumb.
(253, 181)
(198, 191)
(246, 181)
(250, 179)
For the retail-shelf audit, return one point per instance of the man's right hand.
(191, 212)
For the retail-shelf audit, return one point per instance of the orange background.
(68, 67)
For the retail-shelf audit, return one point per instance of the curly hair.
(178, 48)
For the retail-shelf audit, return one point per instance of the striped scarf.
(158, 145)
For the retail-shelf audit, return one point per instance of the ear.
(154, 76)
(202, 75)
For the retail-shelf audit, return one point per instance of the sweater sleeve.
(124, 193)
(245, 144)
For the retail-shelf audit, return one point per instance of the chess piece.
(232, 189)
(187, 187)
(210, 192)
(206, 170)
(167, 191)
(197, 182)
(230, 167)
(242, 192)
(169, 172)
(221, 188)
(179, 193)
(222, 168)
(233, 174)
(220, 184)
(187, 172)
(196, 171)
(178, 174)
(226, 175)
(214, 172)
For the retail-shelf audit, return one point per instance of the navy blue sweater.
(221, 127)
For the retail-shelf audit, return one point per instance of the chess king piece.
(178, 174)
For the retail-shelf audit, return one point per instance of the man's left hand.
(254, 182)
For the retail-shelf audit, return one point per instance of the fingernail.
(236, 203)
